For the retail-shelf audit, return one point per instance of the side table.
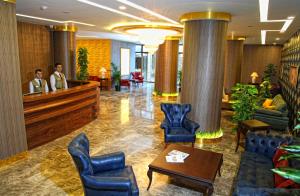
(250, 125)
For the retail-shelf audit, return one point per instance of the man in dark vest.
(58, 79)
(38, 84)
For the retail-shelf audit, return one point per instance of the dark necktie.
(40, 83)
(60, 76)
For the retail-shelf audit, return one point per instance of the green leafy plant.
(116, 75)
(264, 90)
(288, 173)
(270, 73)
(244, 101)
(83, 64)
(297, 127)
(179, 77)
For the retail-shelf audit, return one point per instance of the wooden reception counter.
(51, 115)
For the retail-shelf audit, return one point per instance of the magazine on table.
(176, 156)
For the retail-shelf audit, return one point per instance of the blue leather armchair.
(177, 128)
(102, 175)
(255, 177)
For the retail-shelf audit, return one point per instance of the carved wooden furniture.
(199, 168)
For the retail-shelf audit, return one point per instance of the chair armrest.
(270, 112)
(166, 126)
(191, 125)
(108, 162)
(106, 183)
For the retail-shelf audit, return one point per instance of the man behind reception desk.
(58, 79)
(38, 84)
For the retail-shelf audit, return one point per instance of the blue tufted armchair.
(102, 175)
(177, 128)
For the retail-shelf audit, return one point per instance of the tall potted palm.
(83, 64)
(116, 75)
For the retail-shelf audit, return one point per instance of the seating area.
(164, 98)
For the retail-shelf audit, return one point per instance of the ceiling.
(245, 15)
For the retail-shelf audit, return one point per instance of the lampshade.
(254, 74)
(103, 70)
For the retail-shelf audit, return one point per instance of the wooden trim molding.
(10, 1)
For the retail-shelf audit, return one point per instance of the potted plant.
(244, 101)
(270, 73)
(83, 64)
(179, 76)
(116, 77)
(265, 90)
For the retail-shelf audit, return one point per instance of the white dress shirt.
(31, 87)
(53, 81)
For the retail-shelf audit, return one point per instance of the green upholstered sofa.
(276, 117)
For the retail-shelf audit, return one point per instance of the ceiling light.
(87, 36)
(122, 7)
(287, 23)
(147, 11)
(263, 9)
(39, 18)
(56, 21)
(277, 39)
(263, 36)
(112, 10)
(274, 43)
(150, 35)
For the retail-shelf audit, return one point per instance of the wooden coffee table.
(199, 168)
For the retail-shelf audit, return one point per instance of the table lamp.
(103, 72)
(254, 75)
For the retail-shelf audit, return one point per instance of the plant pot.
(118, 88)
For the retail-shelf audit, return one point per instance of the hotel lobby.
(169, 97)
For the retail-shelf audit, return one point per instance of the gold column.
(203, 66)
(12, 125)
(233, 62)
(166, 67)
(64, 46)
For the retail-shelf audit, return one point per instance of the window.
(125, 61)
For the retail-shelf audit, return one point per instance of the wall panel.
(35, 49)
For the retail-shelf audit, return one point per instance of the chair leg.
(193, 144)
(166, 145)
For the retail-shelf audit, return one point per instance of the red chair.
(137, 77)
(125, 82)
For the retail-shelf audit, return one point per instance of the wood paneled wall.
(203, 71)
(12, 126)
(233, 63)
(99, 54)
(35, 49)
(166, 67)
(256, 58)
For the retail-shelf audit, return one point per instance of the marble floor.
(129, 122)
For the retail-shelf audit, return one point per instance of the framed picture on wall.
(125, 61)
(293, 75)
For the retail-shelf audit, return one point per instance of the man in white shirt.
(38, 85)
(58, 79)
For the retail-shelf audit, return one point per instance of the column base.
(209, 134)
(155, 93)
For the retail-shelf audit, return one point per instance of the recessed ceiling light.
(112, 10)
(122, 7)
(56, 21)
(136, 6)
(277, 39)
(43, 7)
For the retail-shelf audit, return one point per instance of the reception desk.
(51, 115)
